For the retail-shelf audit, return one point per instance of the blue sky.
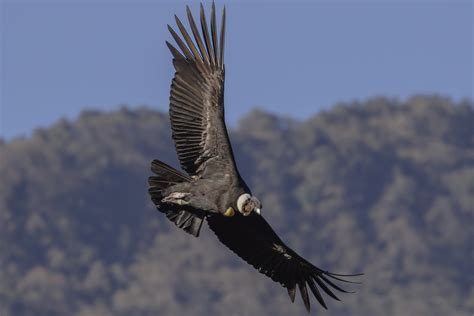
(292, 58)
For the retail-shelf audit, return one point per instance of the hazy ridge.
(380, 186)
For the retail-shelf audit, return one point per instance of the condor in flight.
(212, 187)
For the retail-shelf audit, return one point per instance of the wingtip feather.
(214, 31)
(334, 276)
(292, 292)
(222, 39)
(190, 44)
(316, 293)
(326, 289)
(176, 54)
(334, 285)
(304, 295)
(180, 43)
(207, 37)
(197, 36)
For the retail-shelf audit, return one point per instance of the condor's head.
(247, 204)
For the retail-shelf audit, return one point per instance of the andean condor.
(212, 187)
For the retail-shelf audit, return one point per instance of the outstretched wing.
(252, 239)
(197, 96)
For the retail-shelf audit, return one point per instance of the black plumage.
(213, 189)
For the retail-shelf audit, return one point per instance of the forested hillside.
(382, 186)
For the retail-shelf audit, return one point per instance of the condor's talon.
(229, 212)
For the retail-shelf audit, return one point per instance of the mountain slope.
(380, 186)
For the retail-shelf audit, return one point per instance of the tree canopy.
(383, 187)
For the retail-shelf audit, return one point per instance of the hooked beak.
(257, 210)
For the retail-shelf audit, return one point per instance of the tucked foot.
(229, 212)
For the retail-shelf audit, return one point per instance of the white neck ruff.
(241, 200)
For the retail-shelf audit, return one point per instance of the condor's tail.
(186, 218)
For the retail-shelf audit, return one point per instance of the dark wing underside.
(252, 239)
(197, 95)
